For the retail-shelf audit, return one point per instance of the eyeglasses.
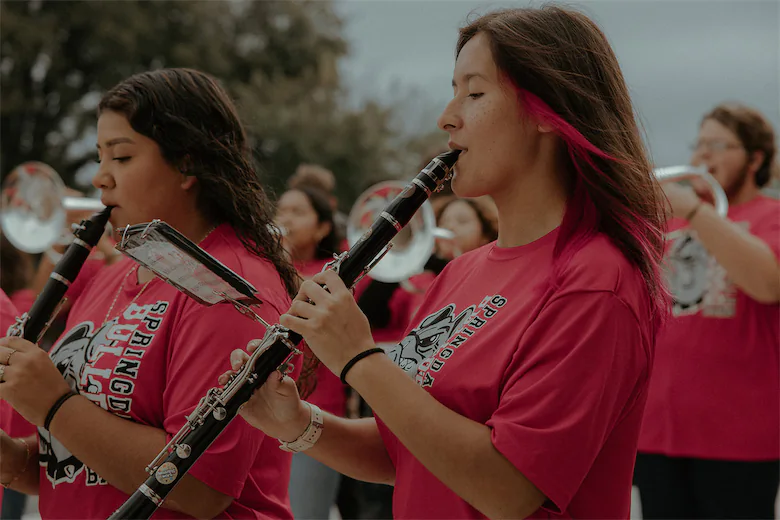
(714, 146)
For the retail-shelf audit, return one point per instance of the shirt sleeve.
(768, 230)
(577, 367)
(199, 352)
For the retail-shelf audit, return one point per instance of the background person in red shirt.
(311, 239)
(520, 386)
(710, 439)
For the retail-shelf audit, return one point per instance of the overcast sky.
(679, 57)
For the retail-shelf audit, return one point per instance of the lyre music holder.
(183, 264)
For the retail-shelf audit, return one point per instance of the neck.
(534, 204)
(747, 192)
(302, 255)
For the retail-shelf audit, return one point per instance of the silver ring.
(8, 359)
(2, 372)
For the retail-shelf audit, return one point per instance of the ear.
(185, 168)
(188, 181)
(545, 128)
(755, 160)
(323, 230)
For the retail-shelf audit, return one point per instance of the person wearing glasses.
(710, 439)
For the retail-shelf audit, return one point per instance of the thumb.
(282, 386)
(237, 358)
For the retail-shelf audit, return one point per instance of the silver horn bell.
(34, 207)
(411, 247)
(687, 172)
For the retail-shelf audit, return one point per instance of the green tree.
(277, 58)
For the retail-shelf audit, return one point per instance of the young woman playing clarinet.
(171, 147)
(519, 388)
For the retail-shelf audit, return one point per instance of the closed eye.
(122, 159)
(476, 95)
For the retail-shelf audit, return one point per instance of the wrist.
(311, 433)
(56, 407)
(358, 359)
(16, 457)
(298, 425)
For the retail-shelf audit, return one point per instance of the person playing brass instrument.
(519, 388)
(710, 441)
(171, 147)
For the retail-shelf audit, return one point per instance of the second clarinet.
(221, 405)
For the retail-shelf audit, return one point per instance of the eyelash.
(121, 160)
(476, 95)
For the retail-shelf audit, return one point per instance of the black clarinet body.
(32, 325)
(220, 406)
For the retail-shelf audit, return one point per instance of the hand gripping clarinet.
(33, 324)
(220, 406)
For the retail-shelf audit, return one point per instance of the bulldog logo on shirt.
(697, 282)
(425, 340)
(101, 364)
(425, 351)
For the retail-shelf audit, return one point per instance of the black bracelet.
(55, 407)
(357, 358)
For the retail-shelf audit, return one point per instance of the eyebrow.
(118, 140)
(467, 77)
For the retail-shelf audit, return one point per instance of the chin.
(119, 220)
(464, 189)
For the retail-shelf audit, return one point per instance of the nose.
(450, 118)
(103, 179)
(701, 154)
(282, 220)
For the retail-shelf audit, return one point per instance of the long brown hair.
(566, 74)
(195, 123)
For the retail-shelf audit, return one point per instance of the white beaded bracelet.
(310, 435)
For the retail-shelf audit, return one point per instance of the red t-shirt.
(559, 375)
(715, 387)
(151, 363)
(329, 394)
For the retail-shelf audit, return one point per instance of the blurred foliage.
(279, 59)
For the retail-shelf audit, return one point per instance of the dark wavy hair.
(195, 123)
(565, 74)
(17, 267)
(331, 243)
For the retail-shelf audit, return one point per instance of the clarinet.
(215, 411)
(33, 324)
